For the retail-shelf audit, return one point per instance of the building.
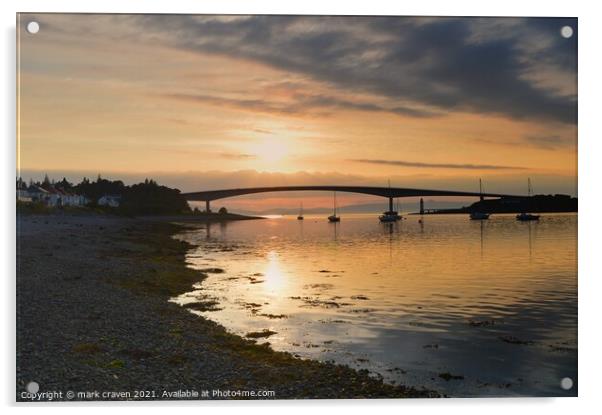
(51, 197)
(35, 194)
(110, 200)
(65, 198)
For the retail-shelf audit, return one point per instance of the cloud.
(439, 165)
(301, 104)
(550, 142)
(539, 141)
(237, 156)
(520, 68)
(448, 64)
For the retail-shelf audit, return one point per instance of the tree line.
(145, 198)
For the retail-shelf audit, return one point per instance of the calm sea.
(468, 308)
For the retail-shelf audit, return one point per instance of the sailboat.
(479, 215)
(390, 215)
(334, 217)
(523, 216)
(300, 217)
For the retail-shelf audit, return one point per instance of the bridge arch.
(387, 192)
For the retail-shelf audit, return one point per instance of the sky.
(209, 102)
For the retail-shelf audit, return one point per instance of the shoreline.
(467, 212)
(93, 314)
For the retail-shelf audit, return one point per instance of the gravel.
(85, 323)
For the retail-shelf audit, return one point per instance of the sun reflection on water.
(275, 281)
(444, 295)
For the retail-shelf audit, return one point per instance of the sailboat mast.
(335, 203)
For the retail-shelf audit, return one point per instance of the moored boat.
(389, 217)
(479, 215)
(524, 216)
(334, 217)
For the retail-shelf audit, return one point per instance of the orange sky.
(127, 96)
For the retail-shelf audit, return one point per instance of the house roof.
(36, 189)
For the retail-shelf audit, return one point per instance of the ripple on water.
(412, 304)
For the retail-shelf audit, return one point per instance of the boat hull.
(479, 216)
(526, 217)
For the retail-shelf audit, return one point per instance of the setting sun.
(272, 150)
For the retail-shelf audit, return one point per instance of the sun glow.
(272, 150)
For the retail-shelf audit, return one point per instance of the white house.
(36, 194)
(110, 200)
(52, 197)
(65, 198)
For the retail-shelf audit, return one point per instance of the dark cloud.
(549, 142)
(445, 64)
(300, 104)
(404, 163)
(542, 141)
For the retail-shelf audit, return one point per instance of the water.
(491, 303)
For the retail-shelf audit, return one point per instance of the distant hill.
(359, 208)
(537, 204)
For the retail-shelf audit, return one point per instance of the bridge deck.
(389, 192)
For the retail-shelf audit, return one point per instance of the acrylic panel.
(282, 207)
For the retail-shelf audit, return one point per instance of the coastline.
(93, 314)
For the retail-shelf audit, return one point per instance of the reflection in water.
(530, 241)
(482, 230)
(335, 229)
(408, 301)
(274, 279)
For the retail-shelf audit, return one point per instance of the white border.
(590, 70)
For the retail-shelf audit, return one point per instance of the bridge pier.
(421, 206)
(390, 204)
(207, 206)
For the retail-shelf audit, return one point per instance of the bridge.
(387, 192)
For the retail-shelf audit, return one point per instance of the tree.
(149, 198)
(46, 183)
(99, 188)
(64, 184)
(222, 211)
(21, 184)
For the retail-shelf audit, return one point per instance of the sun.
(272, 150)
